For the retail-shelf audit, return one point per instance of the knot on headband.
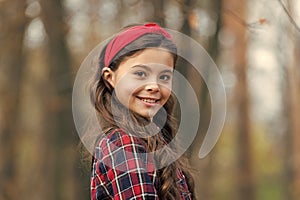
(129, 35)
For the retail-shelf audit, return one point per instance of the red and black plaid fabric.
(122, 170)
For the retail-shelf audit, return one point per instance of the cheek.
(166, 93)
(125, 90)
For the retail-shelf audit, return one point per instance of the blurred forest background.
(254, 43)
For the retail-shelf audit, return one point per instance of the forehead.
(150, 56)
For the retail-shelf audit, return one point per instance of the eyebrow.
(149, 69)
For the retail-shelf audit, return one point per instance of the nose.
(152, 87)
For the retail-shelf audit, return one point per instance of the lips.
(149, 100)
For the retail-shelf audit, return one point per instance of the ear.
(109, 76)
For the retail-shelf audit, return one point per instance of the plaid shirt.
(123, 170)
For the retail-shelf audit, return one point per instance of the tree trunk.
(159, 12)
(64, 174)
(202, 169)
(245, 179)
(13, 23)
(291, 104)
(205, 167)
(293, 95)
(294, 116)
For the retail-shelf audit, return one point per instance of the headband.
(129, 35)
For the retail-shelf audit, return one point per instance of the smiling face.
(143, 82)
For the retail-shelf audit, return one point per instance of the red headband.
(128, 36)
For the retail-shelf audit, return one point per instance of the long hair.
(111, 113)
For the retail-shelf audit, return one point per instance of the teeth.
(149, 100)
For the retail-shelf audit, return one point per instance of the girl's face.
(143, 82)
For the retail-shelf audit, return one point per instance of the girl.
(134, 103)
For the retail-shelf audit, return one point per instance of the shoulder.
(118, 138)
(125, 152)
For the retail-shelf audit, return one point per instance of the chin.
(148, 114)
(144, 115)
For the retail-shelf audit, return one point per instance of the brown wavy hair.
(111, 115)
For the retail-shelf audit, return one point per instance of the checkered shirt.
(122, 170)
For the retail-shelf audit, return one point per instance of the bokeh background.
(255, 44)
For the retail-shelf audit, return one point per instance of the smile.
(148, 100)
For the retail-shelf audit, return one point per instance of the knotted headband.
(129, 35)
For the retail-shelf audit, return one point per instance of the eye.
(140, 74)
(165, 77)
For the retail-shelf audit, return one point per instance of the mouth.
(149, 101)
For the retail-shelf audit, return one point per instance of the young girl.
(134, 103)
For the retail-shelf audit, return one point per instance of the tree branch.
(287, 12)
